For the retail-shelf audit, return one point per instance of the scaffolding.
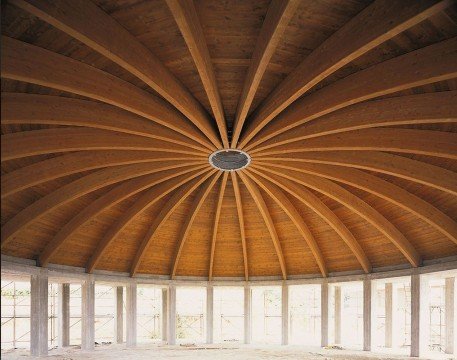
(149, 314)
(305, 314)
(15, 314)
(190, 314)
(229, 314)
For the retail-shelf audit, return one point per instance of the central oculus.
(229, 159)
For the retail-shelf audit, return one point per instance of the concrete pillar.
(324, 313)
(88, 315)
(63, 317)
(164, 314)
(119, 316)
(419, 310)
(209, 313)
(171, 315)
(388, 308)
(39, 314)
(450, 313)
(131, 314)
(337, 293)
(247, 314)
(369, 294)
(285, 314)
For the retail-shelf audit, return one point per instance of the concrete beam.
(451, 314)
(285, 314)
(39, 314)
(324, 313)
(119, 315)
(209, 313)
(247, 314)
(131, 314)
(388, 308)
(63, 317)
(171, 316)
(88, 315)
(337, 311)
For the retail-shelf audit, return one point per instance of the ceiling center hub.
(229, 159)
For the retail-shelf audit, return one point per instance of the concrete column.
(63, 317)
(247, 314)
(369, 294)
(39, 314)
(119, 316)
(324, 313)
(337, 293)
(285, 314)
(171, 315)
(164, 314)
(209, 313)
(88, 315)
(419, 309)
(450, 313)
(388, 308)
(131, 314)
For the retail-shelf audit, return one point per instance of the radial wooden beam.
(316, 205)
(216, 223)
(286, 205)
(76, 189)
(24, 62)
(93, 27)
(357, 205)
(185, 228)
(379, 187)
(60, 166)
(239, 210)
(48, 141)
(374, 25)
(428, 108)
(399, 166)
(262, 206)
(428, 65)
(424, 142)
(168, 181)
(279, 14)
(56, 110)
(179, 196)
(187, 19)
(147, 200)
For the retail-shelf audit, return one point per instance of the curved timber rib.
(376, 24)
(360, 207)
(424, 66)
(185, 228)
(67, 164)
(239, 211)
(181, 194)
(286, 205)
(413, 170)
(75, 190)
(429, 108)
(260, 202)
(113, 197)
(24, 62)
(383, 189)
(187, 19)
(216, 223)
(278, 16)
(90, 25)
(315, 204)
(57, 110)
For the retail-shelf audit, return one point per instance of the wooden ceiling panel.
(346, 109)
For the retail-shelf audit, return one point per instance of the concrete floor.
(210, 352)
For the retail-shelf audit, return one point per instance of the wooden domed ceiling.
(346, 108)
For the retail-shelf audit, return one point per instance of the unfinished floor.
(213, 352)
